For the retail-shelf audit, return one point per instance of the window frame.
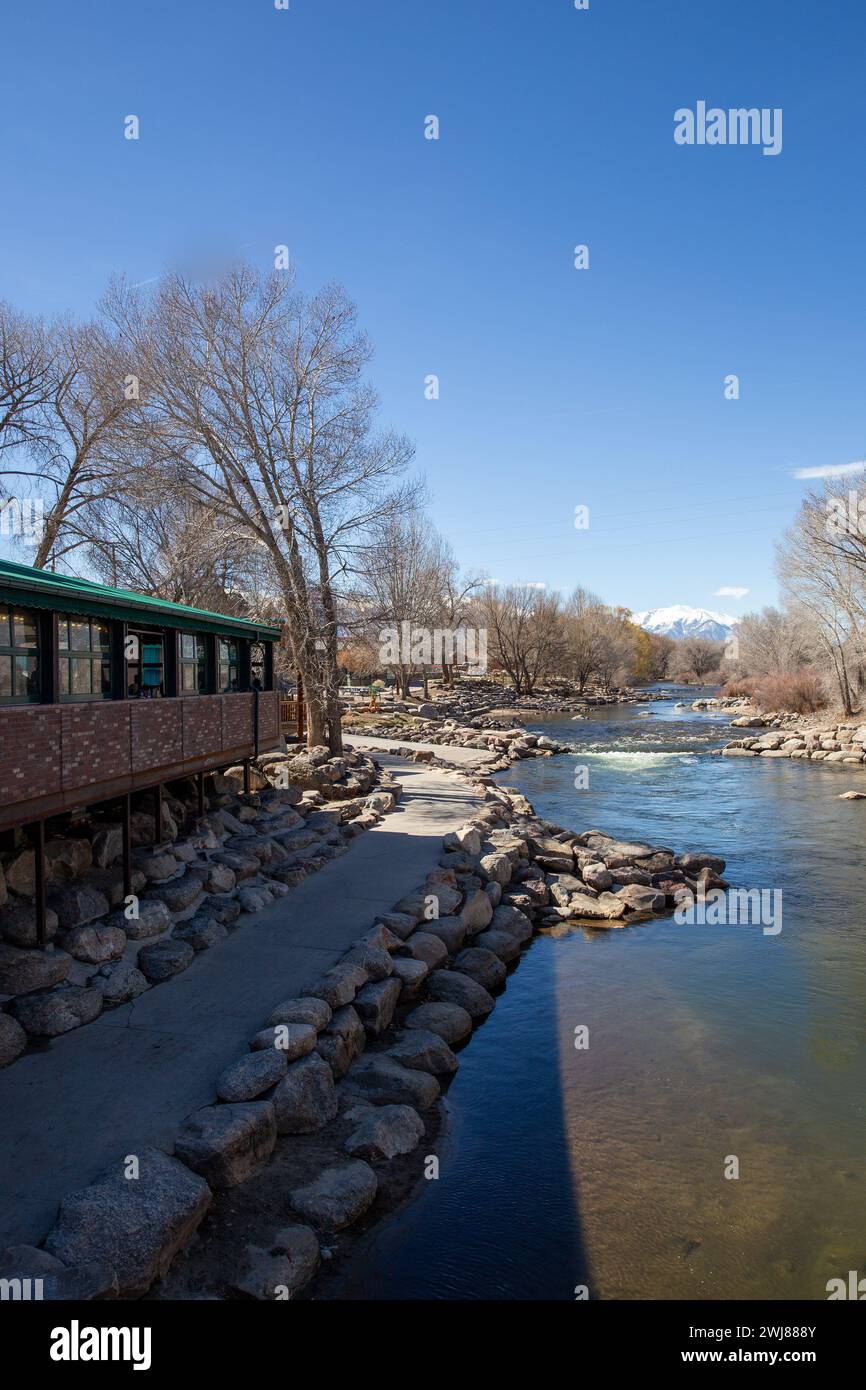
(11, 650)
(101, 654)
(199, 664)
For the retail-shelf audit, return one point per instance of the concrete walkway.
(129, 1078)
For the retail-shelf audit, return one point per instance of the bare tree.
(26, 378)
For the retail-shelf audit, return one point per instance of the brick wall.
(156, 732)
(202, 725)
(269, 717)
(237, 719)
(29, 751)
(95, 742)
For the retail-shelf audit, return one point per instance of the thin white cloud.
(830, 470)
(730, 591)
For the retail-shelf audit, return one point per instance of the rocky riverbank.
(188, 891)
(313, 1127)
(509, 744)
(802, 737)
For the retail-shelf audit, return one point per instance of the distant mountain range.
(681, 621)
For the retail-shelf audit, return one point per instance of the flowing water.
(606, 1167)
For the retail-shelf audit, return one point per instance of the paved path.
(129, 1078)
(457, 754)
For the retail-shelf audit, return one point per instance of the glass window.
(145, 671)
(258, 668)
(228, 666)
(84, 659)
(193, 664)
(19, 656)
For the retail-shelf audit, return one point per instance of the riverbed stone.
(375, 1004)
(513, 922)
(304, 1009)
(638, 899)
(483, 966)
(164, 959)
(421, 1050)
(227, 1144)
(294, 1040)
(374, 959)
(154, 919)
(284, 1268)
(342, 1041)
(380, 1079)
(250, 1076)
(23, 970)
(501, 943)
(425, 947)
(450, 1021)
(305, 1100)
(385, 1132)
(201, 931)
(13, 1040)
(338, 1196)
(134, 1227)
(402, 924)
(451, 931)
(411, 974)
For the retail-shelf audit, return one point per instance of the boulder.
(375, 1004)
(411, 974)
(107, 845)
(294, 1040)
(340, 985)
(342, 1040)
(119, 983)
(164, 959)
(385, 1082)
(451, 931)
(284, 1268)
(178, 894)
(225, 911)
(134, 1227)
(467, 839)
(427, 948)
(476, 912)
(78, 903)
(95, 944)
(57, 1011)
(57, 1282)
(252, 1075)
(201, 931)
(482, 965)
(157, 865)
(153, 919)
(421, 1050)
(513, 922)
(495, 868)
(638, 899)
(302, 1010)
(402, 924)
(384, 1132)
(452, 987)
(13, 1040)
(691, 863)
(417, 904)
(450, 1022)
(23, 971)
(227, 1144)
(502, 944)
(597, 876)
(18, 924)
(338, 1196)
(305, 1099)
(372, 958)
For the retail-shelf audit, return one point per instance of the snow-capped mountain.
(681, 621)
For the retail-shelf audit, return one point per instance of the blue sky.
(559, 387)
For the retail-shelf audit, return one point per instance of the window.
(19, 656)
(144, 665)
(84, 646)
(228, 666)
(258, 669)
(193, 664)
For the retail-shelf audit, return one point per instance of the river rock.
(427, 948)
(13, 1040)
(227, 1144)
(451, 931)
(384, 1132)
(513, 922)
(134, 1227)
(597, 876)
(164, 959)
(501, 943)
(402, 924)
(638, 899)
(477, 912)
(201, 931)
(450, 1021)
(302, 1010)
(375, 1004)
(342, 1040)
(292, 1039)
(385, 1082)
(411, 974)
(421, 1050)
(374, 959)
(78, 903)
(250, 1076)
(452, 987)
(338, 1196)
(483, 966)
(284, 1268)
(466, 838)
(690, 863)
(305, 1099)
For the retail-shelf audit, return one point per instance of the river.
(605, 1167)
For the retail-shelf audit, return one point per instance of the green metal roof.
(33, 588)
